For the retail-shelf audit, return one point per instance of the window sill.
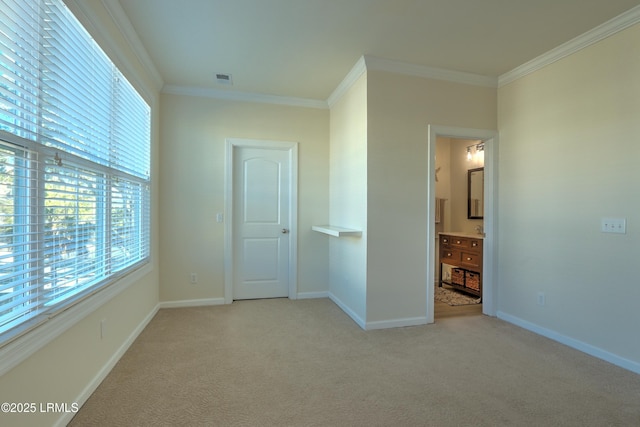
(19, 349)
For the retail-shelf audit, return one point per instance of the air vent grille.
(224, 78)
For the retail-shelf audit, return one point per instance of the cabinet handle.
(474, 244)
(457, 242)
(468, 258)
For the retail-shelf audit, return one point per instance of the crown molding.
(244, 96)
(349, 80)
(381, 64)
(82, 11)
(113, 7)
(121, 21)
(367, 62)
(613, 26)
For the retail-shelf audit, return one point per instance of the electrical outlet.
(103, 328)
(614, 225)
(194, 278)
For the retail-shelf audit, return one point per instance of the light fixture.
(479, 147)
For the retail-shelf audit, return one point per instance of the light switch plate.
(614, 225)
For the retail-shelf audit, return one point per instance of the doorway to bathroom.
(460, 159)
(459, 227)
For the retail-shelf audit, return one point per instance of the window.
(74, 166)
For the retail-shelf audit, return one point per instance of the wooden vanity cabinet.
(464, 255)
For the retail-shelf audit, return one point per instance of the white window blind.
(74, 165)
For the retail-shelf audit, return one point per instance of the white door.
(261, 219)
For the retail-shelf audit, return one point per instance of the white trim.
(463, 133)
(396, 323)
(292, 147)
(84, 13)
(106, 369)
(16, 351)
(489, 269)
(123, 23)
(573, 343)
(490, 225)
(228, 223)
(360, 67)
(352, 314)
(619, 23)
(613, 26)
(349, 80)
(192, 303)
(244, 96)
(431, 221)
(313, 295)
(381, 64)
(293, 220)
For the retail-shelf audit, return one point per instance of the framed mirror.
(475, 193)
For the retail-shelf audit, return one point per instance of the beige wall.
(459, 180)
(379, 174)
(68, 368)
(568, 158)
(348, 171)
(71, 366)
(192, 168)
(399, 110)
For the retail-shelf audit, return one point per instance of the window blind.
(74, 165)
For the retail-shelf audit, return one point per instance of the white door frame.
(292, 147)
(490, 244)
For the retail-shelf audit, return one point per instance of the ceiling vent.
(224, 79)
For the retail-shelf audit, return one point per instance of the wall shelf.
(332, 230)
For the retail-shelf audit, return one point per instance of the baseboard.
(383, 324)
(192, 303)
(359, 321)
(313, 295)
(102, 374)
(396, 323)
(573, 343)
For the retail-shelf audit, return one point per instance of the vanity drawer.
(450, 256)
(470, 259)
(460, 242)
(475, 244)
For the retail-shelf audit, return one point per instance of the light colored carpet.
(305, 363)
(453, 297)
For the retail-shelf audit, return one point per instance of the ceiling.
(305, 48)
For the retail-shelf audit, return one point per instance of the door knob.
(285, 231)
